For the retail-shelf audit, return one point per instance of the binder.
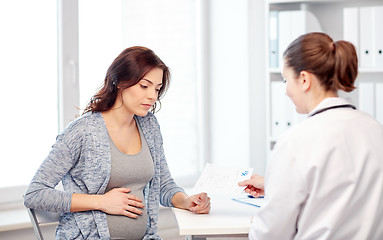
(379, 102)
(366, 37)
(298, 24)
(273, 39)
(290, 113)
(311, 23)
(292, 24)
(284, 33)
(278, 97)
(351, 26)
(378, 31)
(366, 98)
(283, 111)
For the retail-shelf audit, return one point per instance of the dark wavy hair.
(125, 71)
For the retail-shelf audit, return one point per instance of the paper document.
(221, 180)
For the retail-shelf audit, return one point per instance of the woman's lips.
(147, 105)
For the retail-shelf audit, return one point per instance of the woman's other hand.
(198, 203)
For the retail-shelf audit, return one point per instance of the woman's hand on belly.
(118, 201)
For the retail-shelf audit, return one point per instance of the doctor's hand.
(254, 185)
(198, 203)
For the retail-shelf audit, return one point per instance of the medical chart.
(222, 180)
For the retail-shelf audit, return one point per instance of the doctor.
(325, 178)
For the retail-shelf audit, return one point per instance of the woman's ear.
(305, 79)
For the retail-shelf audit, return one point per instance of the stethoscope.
(333, 107)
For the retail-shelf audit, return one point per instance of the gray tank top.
(134, 172)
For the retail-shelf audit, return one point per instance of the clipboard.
(250, 200)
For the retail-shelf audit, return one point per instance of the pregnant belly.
(122, 227)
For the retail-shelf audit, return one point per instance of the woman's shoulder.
(86, 129)
(86, 122)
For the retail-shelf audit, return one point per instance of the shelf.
(329, 14)
(370, 70)
(360, 70)
(308, 1)
(292, 1)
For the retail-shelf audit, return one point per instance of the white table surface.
(226, 217)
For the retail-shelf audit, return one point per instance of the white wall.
(257, 85)
(229, 82)
(237, 92)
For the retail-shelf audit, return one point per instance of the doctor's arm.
(285, 192)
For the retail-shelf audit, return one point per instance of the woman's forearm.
(179, 200)
(85, 202)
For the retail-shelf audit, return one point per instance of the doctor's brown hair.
(125, 71)
(334, 63)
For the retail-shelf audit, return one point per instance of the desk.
(227, 218)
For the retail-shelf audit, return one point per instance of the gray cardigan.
(81, 159)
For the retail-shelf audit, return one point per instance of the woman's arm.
(199, 203)
(170, 193)
(41, 193)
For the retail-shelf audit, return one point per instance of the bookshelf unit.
(330, 17)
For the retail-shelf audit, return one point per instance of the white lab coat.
(325, 179)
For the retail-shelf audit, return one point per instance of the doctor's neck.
(316, 94)
(320, 96)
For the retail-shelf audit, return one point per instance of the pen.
(251, 196)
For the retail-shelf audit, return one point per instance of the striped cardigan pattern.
(81, 159)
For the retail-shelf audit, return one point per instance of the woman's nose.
(152, 94)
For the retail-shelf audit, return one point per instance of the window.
(168, 27)
(28, 63)
(39, 76)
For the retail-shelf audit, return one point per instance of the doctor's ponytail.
(335, 64)
(346, 66)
